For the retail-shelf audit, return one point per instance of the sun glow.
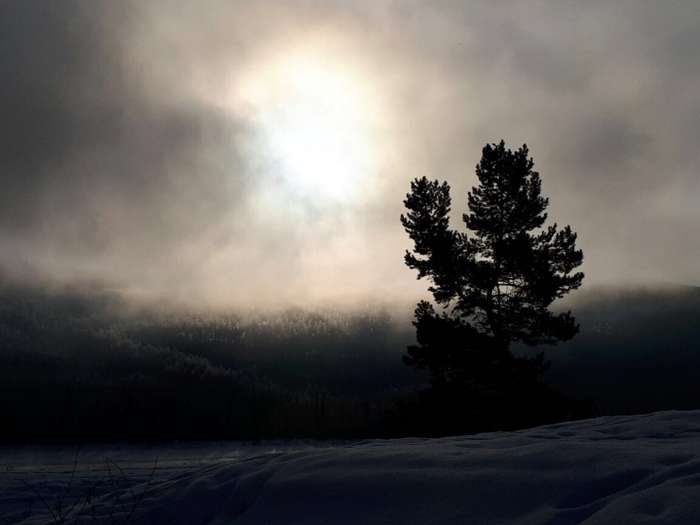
(314, 125)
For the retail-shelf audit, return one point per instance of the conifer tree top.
(501, 275)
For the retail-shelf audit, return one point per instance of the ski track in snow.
(612, 470)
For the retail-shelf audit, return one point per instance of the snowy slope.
(636, 469)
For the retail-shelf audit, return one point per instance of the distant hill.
(89, 357)
(638, 350)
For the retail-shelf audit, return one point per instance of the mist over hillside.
(638, 350)
(86, 362)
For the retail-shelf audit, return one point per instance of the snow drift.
(621, 470)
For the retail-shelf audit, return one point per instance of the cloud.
(100, 169)
(126, 152)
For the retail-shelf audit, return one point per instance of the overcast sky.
(136, 137)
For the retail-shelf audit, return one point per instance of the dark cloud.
(94, 157)
(602, 141)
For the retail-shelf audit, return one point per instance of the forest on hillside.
(81, 366)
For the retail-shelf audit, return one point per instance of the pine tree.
(494, 283)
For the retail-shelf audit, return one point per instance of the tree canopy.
(495, 281)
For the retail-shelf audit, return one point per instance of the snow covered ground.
(621, 470)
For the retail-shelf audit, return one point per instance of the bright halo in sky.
(314, 125)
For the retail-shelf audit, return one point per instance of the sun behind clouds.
(314, 119)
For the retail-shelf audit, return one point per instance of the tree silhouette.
(494, 283)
